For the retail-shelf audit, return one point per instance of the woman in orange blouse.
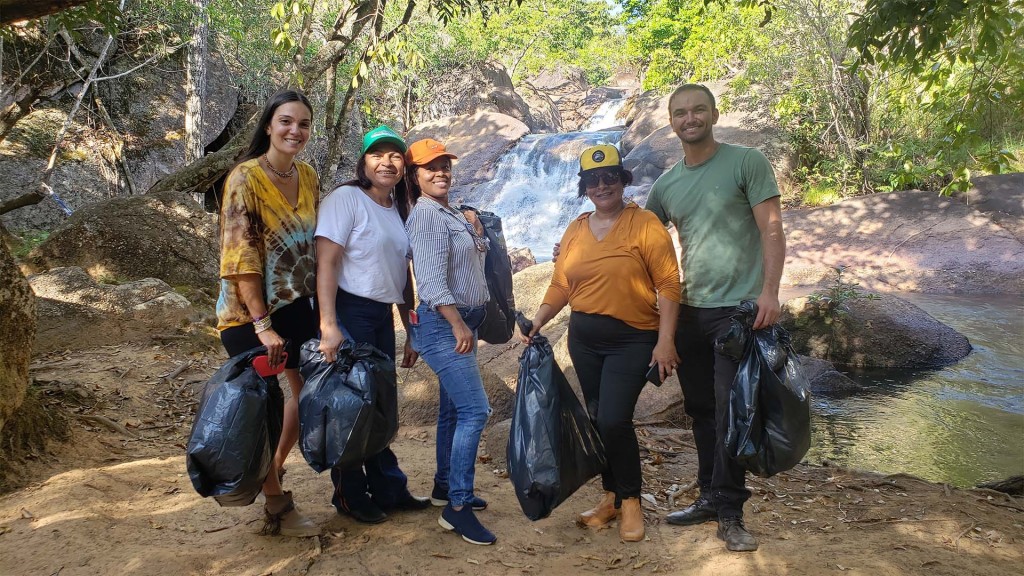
(617, 270)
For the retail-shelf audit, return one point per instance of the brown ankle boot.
(601, 514)
(631, 522)
(285, 519)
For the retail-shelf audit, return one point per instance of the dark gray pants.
(706, 379)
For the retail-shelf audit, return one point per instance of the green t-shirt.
(710, 205)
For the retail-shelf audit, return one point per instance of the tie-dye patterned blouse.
(261, 233)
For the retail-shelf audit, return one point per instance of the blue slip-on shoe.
(439, 497)
(465, 524)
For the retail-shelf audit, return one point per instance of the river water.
(963, 424)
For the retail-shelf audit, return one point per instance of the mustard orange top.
(620, 276)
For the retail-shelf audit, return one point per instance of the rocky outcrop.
(910, 241)
(568, 89)
(1001, 198)
(486, 87)
(77, 312)
(17, 332)
(887, 332)
(522, 258)
(477, 139)
(151, 108)
(146, 107)
(165, 236)
(823, 378)
(644, 113)
(545, 114)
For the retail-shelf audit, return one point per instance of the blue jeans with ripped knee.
(464, 409)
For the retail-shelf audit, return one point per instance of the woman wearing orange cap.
(362, 272)
(617, 270)
(448, 258)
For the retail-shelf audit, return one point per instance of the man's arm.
(768, 215)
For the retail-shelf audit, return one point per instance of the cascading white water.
(535, 185)
(605, 116)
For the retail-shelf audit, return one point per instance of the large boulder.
(166, 236)
(150, 106)
(477, 139)
(77, 312)
(885, 332)
(1001, 198)
(568, 89)
(545, 114)
(147, 109)
(823, 378)
(910, 241)
(644, 113)
(484, 87)
(17, 332)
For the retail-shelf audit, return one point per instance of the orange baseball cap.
(424, 151)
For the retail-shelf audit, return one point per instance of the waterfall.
(535, 185)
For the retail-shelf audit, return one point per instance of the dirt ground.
(116, 499)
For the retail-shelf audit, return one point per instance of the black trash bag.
(348, 410)
(553, 448)
(770, 403)
(500, 320)
(228, 454)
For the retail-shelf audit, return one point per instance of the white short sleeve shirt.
(376, 253)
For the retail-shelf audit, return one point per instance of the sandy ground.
(111, 502)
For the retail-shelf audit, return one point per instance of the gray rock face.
(885, 333)
(910, 241)
(17, 332)
(151, 107)
(646, 113)
(822, 377)
(165, 236)
(77, 312)
(568, 89)
(478, 140)
(545, 114)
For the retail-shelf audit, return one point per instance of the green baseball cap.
(382, 134)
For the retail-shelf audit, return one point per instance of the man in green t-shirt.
(724, 202)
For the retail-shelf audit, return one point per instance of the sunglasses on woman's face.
(608, 178)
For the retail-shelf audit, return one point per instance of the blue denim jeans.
(463, 408)
(365, 320)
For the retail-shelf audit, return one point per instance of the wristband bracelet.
(261, 325)
(260, 317)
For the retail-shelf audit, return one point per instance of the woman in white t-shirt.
(362, 271)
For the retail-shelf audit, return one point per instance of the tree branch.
(18, 10)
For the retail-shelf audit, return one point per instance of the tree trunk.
(195, 87)
(18, 10)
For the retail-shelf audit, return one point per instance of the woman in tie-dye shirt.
(268, 273)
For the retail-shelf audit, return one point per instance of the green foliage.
(690, 40)
(27, 240)
(838, 294)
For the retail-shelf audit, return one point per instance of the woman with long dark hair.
(448, 254)
(362, 272)
(267, 269)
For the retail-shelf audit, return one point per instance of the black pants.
(706, 379)
(296, 323)
(365, 320)
(611, 360)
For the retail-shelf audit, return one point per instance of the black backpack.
(501, 308)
